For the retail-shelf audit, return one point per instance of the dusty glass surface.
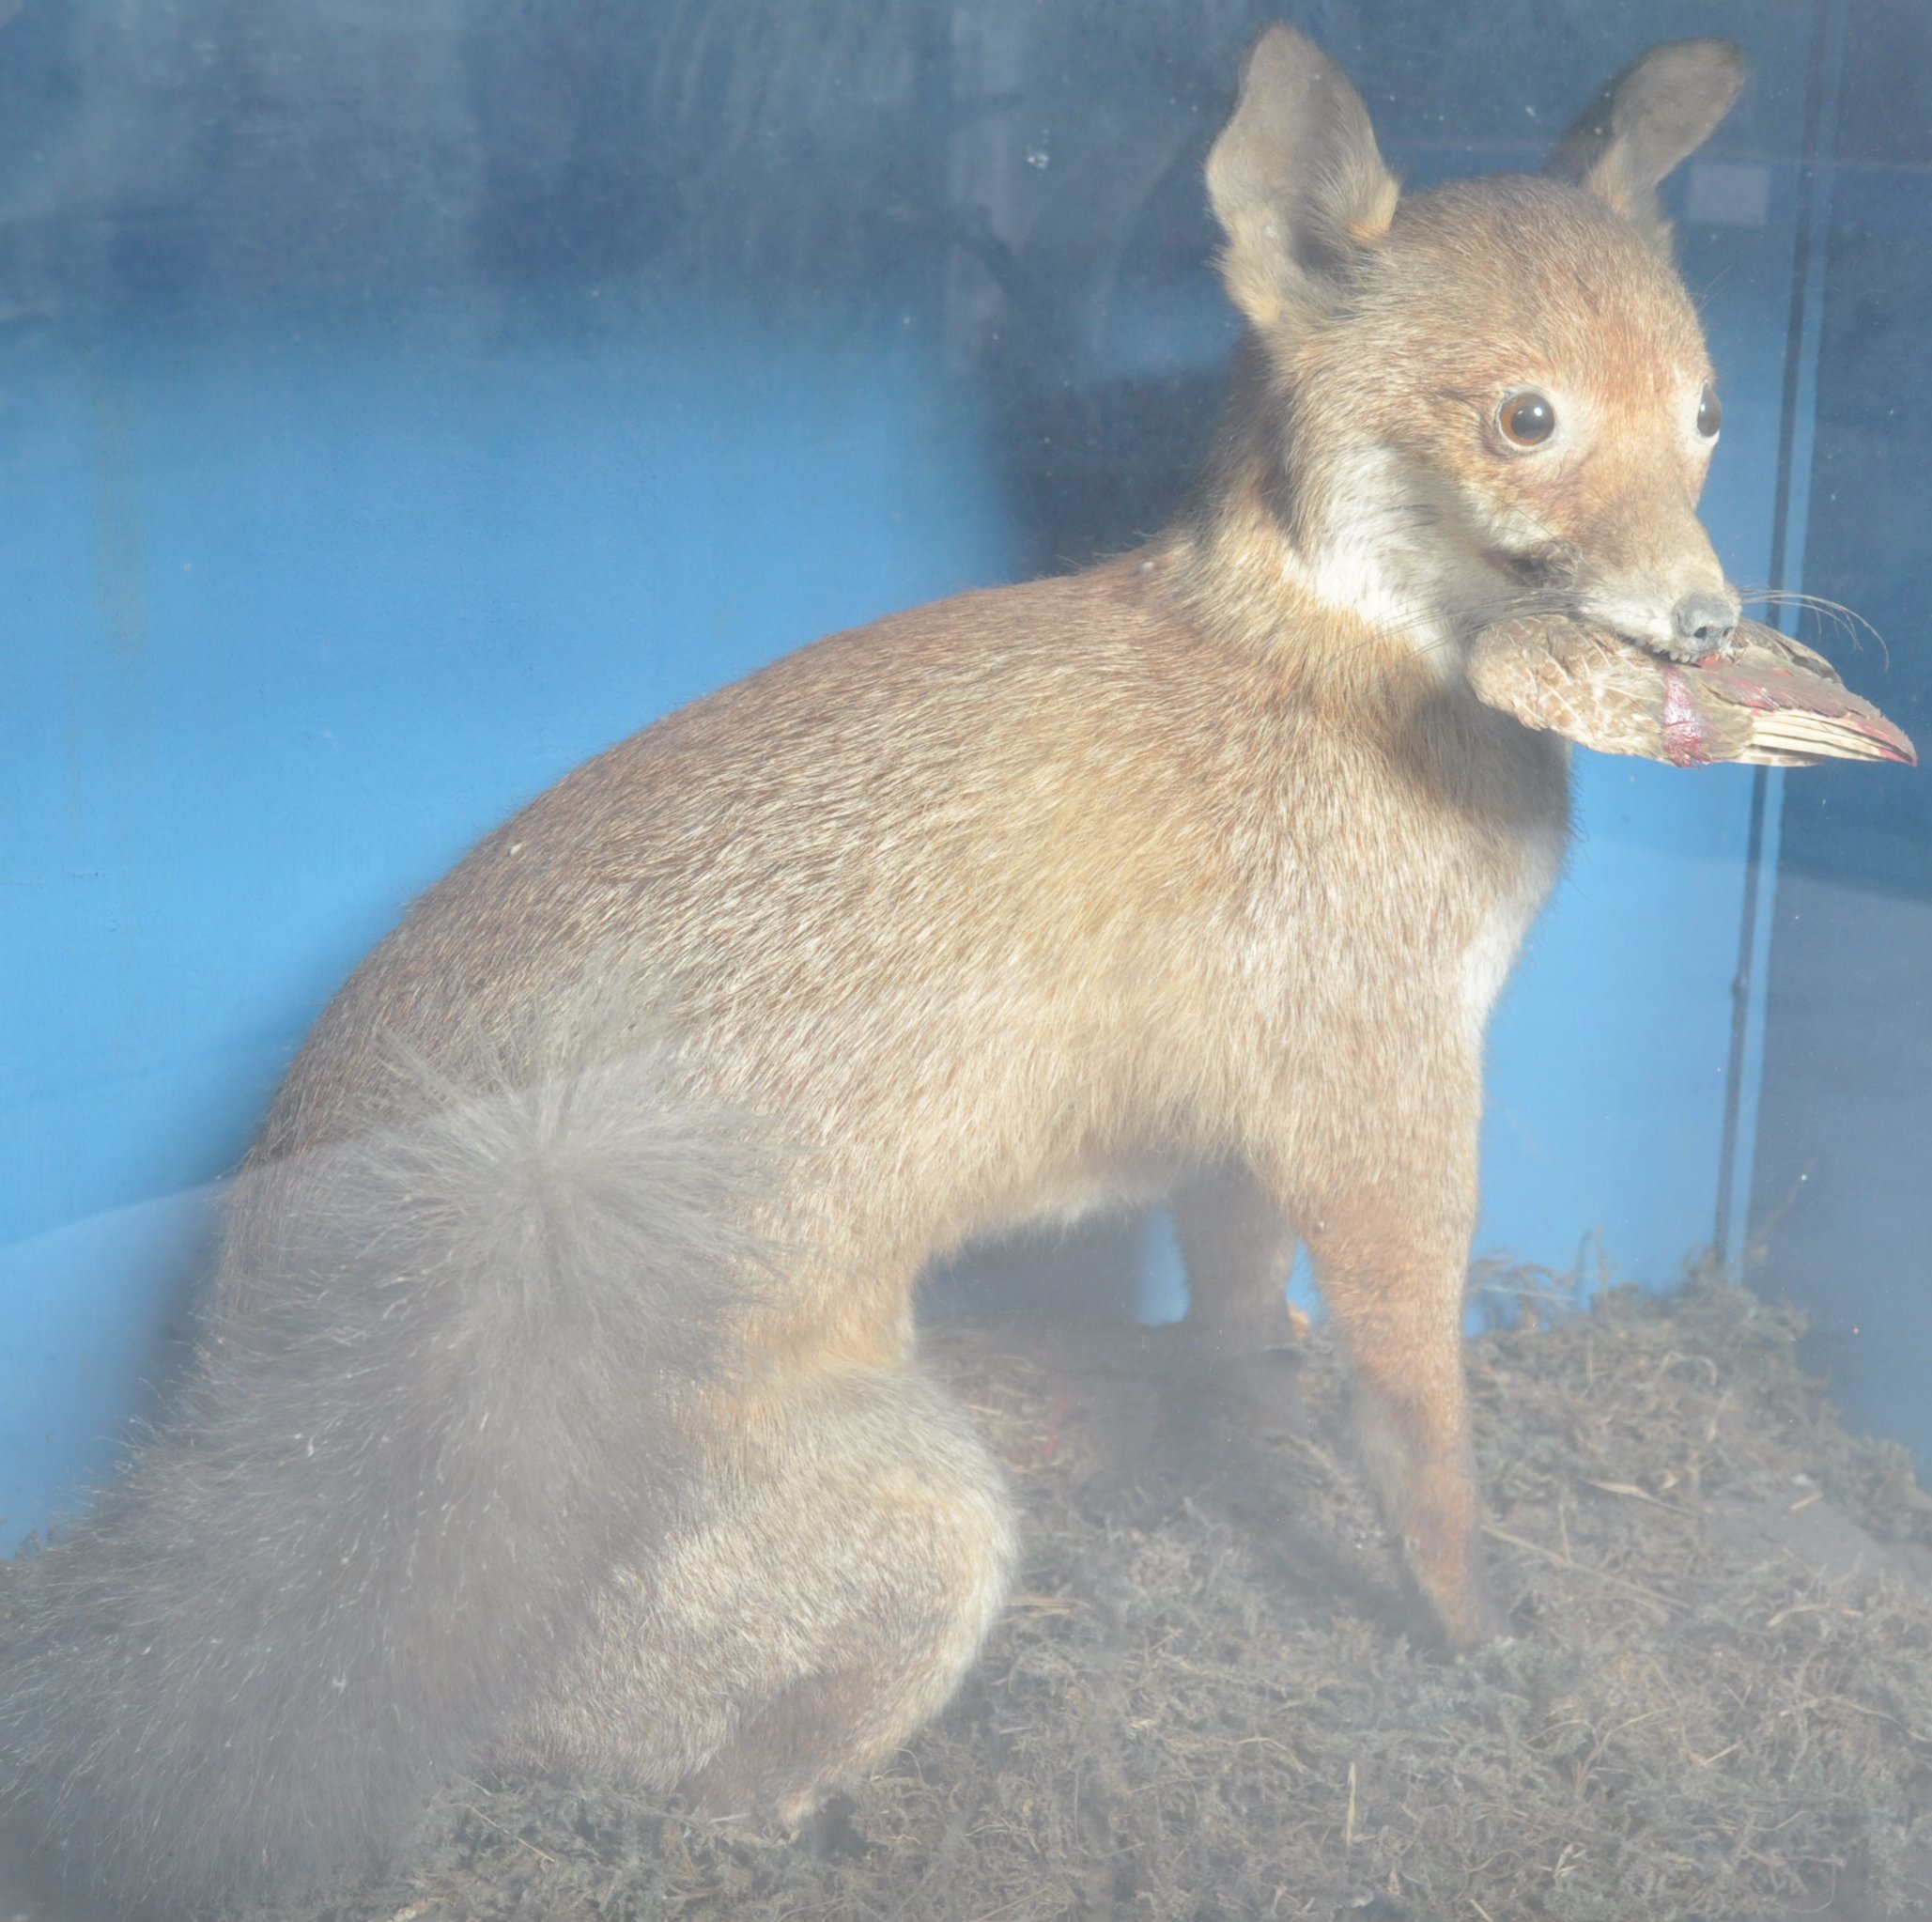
(398, 405)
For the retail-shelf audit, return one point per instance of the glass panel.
(398, 405)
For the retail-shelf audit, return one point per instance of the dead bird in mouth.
(1760, 697)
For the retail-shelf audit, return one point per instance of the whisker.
(1849, 620)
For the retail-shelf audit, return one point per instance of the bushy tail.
(441, 1399)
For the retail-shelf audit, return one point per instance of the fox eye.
(1710, 412)
(1526, 420)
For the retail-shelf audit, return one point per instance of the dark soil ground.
(1714, 1700)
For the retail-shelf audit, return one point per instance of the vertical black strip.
(1748, 957)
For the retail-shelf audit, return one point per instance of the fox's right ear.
(1659, 111)
(1295, 179)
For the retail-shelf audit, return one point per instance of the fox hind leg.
(855, 1545)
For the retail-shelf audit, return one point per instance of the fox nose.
(1707, 619)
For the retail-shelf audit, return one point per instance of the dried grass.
(1715, 1700)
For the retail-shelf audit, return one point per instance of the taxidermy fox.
(559, 1397)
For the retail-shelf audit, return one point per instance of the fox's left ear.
(1656, 112)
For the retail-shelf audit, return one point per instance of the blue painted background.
(292, 620)
(1841, 1207)
(302, 597)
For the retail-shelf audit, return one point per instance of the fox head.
(1489, 398)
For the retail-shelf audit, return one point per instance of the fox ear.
(1295, 179)
(1656, 112)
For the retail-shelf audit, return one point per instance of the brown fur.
(1192, 876)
